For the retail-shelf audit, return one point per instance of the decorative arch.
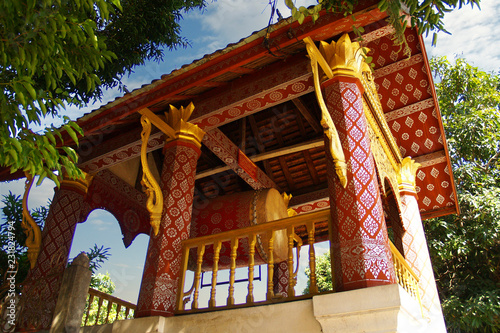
(125, 203)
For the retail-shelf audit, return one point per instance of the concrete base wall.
(377, 309)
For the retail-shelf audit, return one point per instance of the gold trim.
(376, 118)
(286, 198)
(347, 58)
(175, 126)
(341, 58)
(335, 146)
(81, 184)
(154, 203)
(178, 120)
(407, 175)
(31, 229)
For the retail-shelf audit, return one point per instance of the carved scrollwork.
(335, 146)
(154, 203)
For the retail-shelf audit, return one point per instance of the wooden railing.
(103, 308)
(404, 274)
(251, 234)
(196, 248)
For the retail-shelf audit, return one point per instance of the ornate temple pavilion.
(204, 160)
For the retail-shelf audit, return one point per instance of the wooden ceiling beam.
(306, 113)
(260, 146)
(236, 160)
(287, 174)
(267, 155)
(310, 166)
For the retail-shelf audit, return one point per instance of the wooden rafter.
(268, 155)
(236, 160)
(307, 115)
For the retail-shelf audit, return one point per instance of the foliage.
(323, 274)
(60, 52)
(466, 248)
(12, 212)
(103, 282)
(426, 15)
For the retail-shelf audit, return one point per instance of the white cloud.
(472, 36)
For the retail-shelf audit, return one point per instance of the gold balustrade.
(251, 234)
(404, 274)
(109, 309)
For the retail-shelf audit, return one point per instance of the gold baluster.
(201, 252)
(182, 280)
(234, 248)
(215, 269)
(270, 267)
(313, 288)
(251, 261)
(291, 282)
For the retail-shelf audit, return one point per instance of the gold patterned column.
(360, 250)
(162, 268)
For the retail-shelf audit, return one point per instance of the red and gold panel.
(416, 129)
(127, 204)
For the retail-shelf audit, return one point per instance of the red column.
(162, 268)
(360, 250)
(41, 287)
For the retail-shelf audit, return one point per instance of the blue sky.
(224, 22)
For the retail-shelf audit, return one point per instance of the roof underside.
(262, 99)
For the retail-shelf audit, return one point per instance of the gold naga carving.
(337, 58)
(286, 198)
(407, 174)
(31, 229)
(175, 125)
(154, 202)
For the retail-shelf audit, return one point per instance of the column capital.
(341, 58)
(178, 120)
(81, 184)
(407, 174)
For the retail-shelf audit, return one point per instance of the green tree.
(55, 53)
(465, 249)
(323, 274)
